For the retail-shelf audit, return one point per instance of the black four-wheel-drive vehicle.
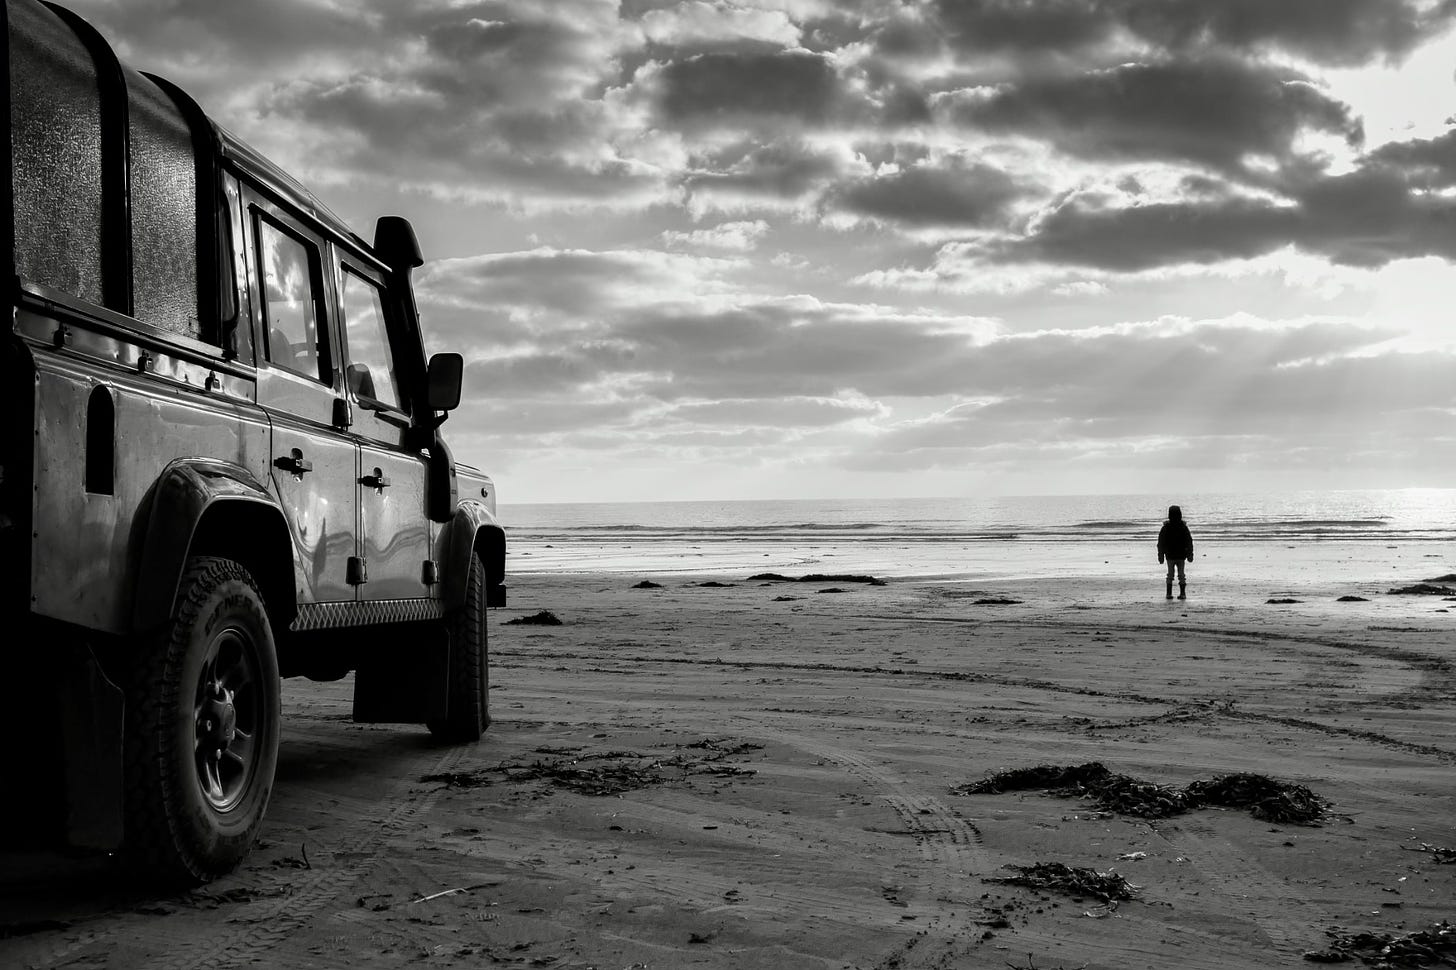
(220, 464)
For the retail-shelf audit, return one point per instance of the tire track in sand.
(1250, 892)
(950, 846)
(291, 898)
(956, 859)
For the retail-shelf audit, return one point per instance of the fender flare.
(473, 529)
(188, 491)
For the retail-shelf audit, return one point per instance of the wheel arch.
(473, 529)
(206, 507)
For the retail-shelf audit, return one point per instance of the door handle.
(377, 480)
(295, 463)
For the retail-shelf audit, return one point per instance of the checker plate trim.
(335, 616)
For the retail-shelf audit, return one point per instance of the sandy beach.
(726, 773)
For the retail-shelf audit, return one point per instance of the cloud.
(1214, 112)
(1135, 238)
(1429, 164)
(1371, 217)
(1235, 390)
(576, 285)
(606, 328)
(958, 193)
(1335, 32)
(607, 362)
(700, 24)
(788, 169)
(731, 236)
(786, 412)
(499, 101)
(1365, 218)
(793, 87)
(1010, 26)
(799, 347)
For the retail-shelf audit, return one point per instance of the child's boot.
(1182, 590)
(1170, 589)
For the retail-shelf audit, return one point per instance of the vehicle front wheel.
(467, 710)
(202, 726)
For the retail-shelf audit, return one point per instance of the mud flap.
(404, 678)
(62, 724)
(92, 711)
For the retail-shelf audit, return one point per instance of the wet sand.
(754, 775)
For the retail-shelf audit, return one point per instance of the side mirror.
(443, 382)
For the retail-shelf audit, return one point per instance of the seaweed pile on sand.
(1265, 798)
(815, 578)
(610, 772)
(543, 618)
(1434, 946)
(1074, 881)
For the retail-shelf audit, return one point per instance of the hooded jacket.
(1174, 540)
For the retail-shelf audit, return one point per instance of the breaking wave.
(1357, 517)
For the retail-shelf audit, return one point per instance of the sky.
(737, 249)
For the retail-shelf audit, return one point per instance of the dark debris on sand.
(1071, 880)
(1282, 601)
(544, 618)
(996, 601)
(647, 584)
(1421, 589)
(611, 772)
(1265, 798)
(714, 584)
(816, 578)
(1434, 946)
(1352, 599)
(1443, 855)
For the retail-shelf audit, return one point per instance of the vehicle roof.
(254, 163)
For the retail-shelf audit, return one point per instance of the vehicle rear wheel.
(202, 726)
(468, 708)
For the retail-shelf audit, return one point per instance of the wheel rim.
(228, 717)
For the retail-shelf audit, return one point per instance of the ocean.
(1274, 541)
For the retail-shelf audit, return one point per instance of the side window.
(370, 373)
(295, 337)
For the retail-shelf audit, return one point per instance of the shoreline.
(1234, 581)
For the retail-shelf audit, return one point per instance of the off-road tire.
(467, 711)
(191, 817)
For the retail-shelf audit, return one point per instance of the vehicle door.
(394, 525)
(314, 460)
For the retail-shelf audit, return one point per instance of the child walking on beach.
(1175, 544)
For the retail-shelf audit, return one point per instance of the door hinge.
(358, 571)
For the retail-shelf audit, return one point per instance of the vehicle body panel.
(84, 539)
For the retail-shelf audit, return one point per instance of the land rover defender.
(221, 464)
